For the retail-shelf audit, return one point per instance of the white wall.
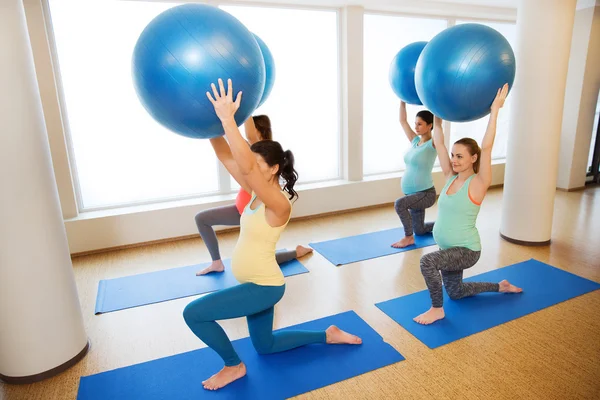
(583, 84)
(100, 230)
(119, 227)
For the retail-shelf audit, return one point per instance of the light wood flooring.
(551, 354)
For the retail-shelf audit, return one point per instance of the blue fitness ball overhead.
(461, 69)
(402, 72)
(269, 69)
(180, 53)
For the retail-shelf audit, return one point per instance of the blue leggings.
(256, 303)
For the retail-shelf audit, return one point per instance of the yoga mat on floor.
(543, 286)
(273, 376)
(366, 246)
(155, 287)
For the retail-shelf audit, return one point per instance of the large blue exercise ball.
(402, 72)
(269, 69)
(180, 53)
(461, 69)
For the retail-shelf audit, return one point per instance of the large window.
(476, 129)
(122, 156)
(384, 35)
(304, 104)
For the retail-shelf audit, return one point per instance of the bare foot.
(506, 287)
(430, 316)
(301, 251)
(404, 242)
(224, 377)
(337, 336)
(216, 266)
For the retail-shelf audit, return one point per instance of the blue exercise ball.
(269, 69)
(402, 72)
(180, 53)
(461, 69)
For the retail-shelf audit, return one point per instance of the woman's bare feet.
(430, 316)
(224, 377)
(506, 287)
(216, 266)
(404, 242)
(301, 251)
(337, 336)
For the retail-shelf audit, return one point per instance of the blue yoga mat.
(274, 376)
(543, 286)
(366, 246)
(155, 287)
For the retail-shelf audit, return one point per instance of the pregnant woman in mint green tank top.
(417, 183)
(468, 176)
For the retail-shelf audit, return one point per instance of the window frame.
(223, 177)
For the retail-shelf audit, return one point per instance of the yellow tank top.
(253, 258)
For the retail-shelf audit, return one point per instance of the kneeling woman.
(468, 177)
(258, 170)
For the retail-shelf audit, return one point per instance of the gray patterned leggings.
(229, 216)
(451, 263)
(411, 210)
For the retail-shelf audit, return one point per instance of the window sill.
(222, 199)
(118, 227)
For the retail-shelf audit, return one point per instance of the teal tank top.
(457, 215)
(419, 163)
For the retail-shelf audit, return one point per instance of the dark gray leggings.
(411, 210)
(228, 216)
(451, 263)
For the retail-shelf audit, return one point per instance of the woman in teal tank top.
(468, 176)
(417, 182)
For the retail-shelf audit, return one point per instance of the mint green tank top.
(419, 163)
(457, 215)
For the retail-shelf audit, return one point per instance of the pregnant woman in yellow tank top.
(257, 127)
(468, 177)
(258, 169)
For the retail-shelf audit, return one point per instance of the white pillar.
(581, 97)
(352, 96)
(41, 324)
(48, 84)
(544, 30)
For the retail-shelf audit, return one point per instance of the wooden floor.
(551, 354)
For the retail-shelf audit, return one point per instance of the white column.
(544, 30)
(41, 331)
(352, 92)
(581, 97)
(48, 82)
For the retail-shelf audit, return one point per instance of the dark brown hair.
(426, 116)
(273, 154)
(263, 126)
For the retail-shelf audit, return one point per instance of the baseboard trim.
(571, 189)
(523, 242)
(22, 380)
